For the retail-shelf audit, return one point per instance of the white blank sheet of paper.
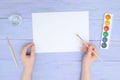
(56, 31)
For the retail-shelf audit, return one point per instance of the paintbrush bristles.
(79, 37)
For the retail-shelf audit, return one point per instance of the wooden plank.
(112, 54)
(26, 14)
(24, 31)
(70, 1)
(54, 70)
(25, 8)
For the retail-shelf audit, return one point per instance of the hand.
(90, 54)
(28, 60)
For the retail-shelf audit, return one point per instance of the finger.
(32, 50)
(85, 44)
(25, 48)
(90, 44)
(84, 49)
(94, 54)
(94, 47)
(95, 50)
(92, 50)
(89, 50)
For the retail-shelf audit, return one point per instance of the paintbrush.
(12, 52)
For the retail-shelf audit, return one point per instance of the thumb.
(33, 50)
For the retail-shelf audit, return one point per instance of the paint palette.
(107, 25)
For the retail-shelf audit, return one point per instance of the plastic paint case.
(107, 26)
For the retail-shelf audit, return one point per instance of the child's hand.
(28, 60)
(90, 54)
